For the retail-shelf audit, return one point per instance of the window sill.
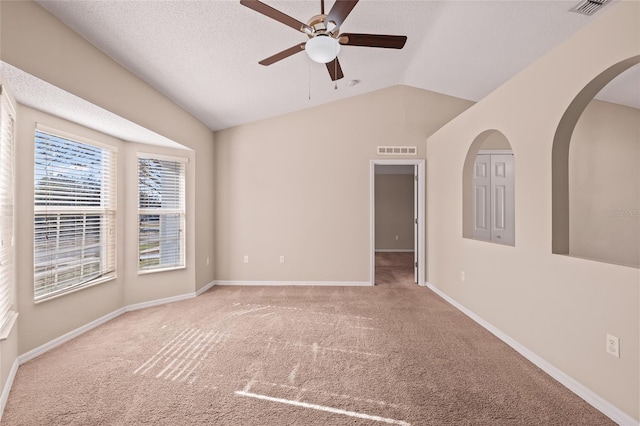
(74, 289)
(153, 271)
(6, 330)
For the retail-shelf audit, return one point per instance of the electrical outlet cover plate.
(613, 345)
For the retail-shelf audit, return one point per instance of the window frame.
(8, 313)
(107, 212)
(180, 211)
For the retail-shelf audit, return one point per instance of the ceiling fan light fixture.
(322, 49)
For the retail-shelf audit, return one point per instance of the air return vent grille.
(589, 7)
(397, 150)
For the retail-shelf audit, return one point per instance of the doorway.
(403, 238)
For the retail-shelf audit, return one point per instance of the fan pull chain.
(335, 71)
(309, 81)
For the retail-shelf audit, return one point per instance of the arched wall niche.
(489, 140)
(561, 177)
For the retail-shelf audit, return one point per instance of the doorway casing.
(419, 243)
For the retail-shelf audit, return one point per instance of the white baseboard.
(394, 250)
(27, 356)
(294, 283)
(205, 288)
(83, 329)
(602, 405)
(157, 302)
(7, 386)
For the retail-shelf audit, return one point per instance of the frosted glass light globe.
(322, 49)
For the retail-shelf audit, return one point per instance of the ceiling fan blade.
(340, 11)
(272, 13)
(335, 70)
(373, 40)
(284, 54)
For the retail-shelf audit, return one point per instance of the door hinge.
(415, 264)
(415, 221)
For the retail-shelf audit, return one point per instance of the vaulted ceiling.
(204, 54)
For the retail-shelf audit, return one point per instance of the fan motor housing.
(317, 22)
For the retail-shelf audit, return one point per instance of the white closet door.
(502, 199)
(482, 198)
(494, 198)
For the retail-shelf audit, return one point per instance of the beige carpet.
(391, 354)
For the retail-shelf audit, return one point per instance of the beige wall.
(43, 322)
(38, 43)
(35, 320)
(152, 286)
(285, 188)
(559, 307)
(394, 212)
(496, 140)
(604, 185)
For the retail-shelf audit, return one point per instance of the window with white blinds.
(7, 251)
(161, 212)
(75, 214)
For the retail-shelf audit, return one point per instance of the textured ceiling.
(204, 54)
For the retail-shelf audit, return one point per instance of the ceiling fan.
(324, 41)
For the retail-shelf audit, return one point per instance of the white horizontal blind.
(161, 213)
(75, 214)
(7, 275)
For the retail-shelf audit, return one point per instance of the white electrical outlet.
(246, 259)
(281, 259)
(462, 276)
(207, 261)
(396, 238)
(613, 346)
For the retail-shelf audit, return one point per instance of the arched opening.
(595, 176)
(488, 189)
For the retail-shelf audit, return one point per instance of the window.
(75, 213)
(7, 120)
(161, 215)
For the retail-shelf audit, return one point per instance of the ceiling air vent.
(397, 150)
(589, 7)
